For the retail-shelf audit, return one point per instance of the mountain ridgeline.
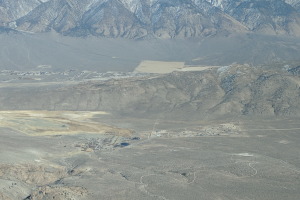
(225, 91)
(136, 19)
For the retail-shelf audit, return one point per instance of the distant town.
(68, 75)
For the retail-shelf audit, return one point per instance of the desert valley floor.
(219, 159)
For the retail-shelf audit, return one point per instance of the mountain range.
(137, 19)
(230, 91)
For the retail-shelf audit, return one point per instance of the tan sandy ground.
(158, 67)
(162, 67)
(41, 123)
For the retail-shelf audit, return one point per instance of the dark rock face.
(295, 70)
(152, 18)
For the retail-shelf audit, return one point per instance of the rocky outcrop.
(31, 181)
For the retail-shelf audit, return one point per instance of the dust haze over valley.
(24, 51)
(149, 99)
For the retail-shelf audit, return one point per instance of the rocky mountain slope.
(152, 18)
(268, 16)
(128, 19)
(13, 10)
(294, 3)
(224, 91)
